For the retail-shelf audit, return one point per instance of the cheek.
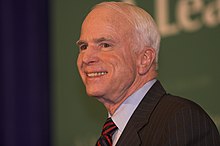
(127, 70)
(126, 65)
(79, 62)
(124, 71)
(79, 66)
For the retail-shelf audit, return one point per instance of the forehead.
(104, 21)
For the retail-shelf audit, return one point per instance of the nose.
(90, 56)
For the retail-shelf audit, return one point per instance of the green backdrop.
(188, 64)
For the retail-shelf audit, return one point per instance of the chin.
(94, 93)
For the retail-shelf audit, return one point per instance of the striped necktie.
(107, 131)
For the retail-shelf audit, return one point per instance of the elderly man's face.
(106, 62)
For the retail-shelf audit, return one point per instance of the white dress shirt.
(126, 109)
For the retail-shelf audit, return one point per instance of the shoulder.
(178, 102)
(186, 119)
(182, 115)
(174, 106)
(168, 107)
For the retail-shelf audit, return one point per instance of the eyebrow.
(102, 39)
(80, 42)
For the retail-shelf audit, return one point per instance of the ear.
(146, 60)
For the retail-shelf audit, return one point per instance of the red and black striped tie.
(107, 131)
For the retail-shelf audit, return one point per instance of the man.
(118, 61)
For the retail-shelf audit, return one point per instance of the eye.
(83, 47)
(105, 45)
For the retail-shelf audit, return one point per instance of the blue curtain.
(24, 75)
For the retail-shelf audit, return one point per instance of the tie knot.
(109, 127)
(107, 131)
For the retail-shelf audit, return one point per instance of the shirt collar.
(126, 109)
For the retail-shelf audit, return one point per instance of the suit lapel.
(140, 118)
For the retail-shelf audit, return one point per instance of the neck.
(113, 106)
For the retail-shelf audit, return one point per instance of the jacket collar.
(141, 116)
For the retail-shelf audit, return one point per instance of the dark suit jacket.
(162, 119)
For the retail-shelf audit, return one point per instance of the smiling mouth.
(96, 74)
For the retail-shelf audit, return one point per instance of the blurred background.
(42, 99)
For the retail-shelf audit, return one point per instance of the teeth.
(95, 74)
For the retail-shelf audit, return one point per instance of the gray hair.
(146, 31)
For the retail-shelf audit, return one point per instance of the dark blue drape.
(24, 75)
